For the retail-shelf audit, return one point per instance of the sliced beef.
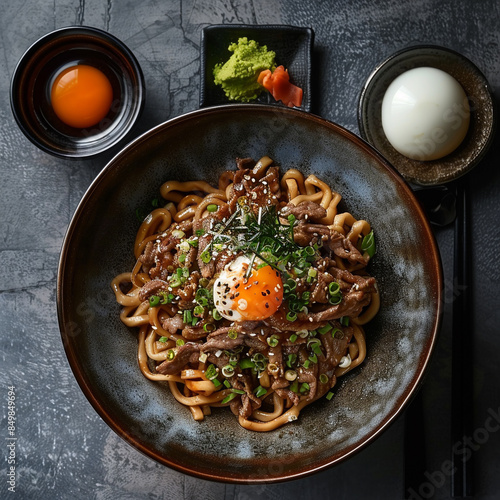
(309, 376)
(220, 340)
(288, 394)
(151, 288)
(305, 234)
(173, 324)
(182, 358)
(344, 248)
(304, 211)
(319, 293)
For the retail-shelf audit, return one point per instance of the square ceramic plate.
(293, 47)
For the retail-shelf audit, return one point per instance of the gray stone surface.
(63, 449)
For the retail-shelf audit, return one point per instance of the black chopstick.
(462, 336)
(414, 447)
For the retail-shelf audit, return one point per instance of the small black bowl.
(44, 60)
(482, 118)
(292, 44)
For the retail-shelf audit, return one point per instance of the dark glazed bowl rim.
(63, 291)
(119, 51)
(466, 156)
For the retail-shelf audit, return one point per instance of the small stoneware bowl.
(292, 44)
(36, 72)
(482, 117)
(201, 145)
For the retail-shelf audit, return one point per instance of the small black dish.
(44, 60)
(292, 44)
(482, 118)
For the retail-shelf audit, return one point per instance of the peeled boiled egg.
(81, 96)
(239, 295)
(425, 114)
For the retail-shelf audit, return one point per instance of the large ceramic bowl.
(102, 351)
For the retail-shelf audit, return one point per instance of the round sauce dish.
(77, 91)
(430, 112)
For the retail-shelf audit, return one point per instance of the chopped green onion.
(193, 243)
(312, 342)
(335, 330)
(163, 339)
(292, 358)
(228, 398)
(227, 384)
(291, 219)
(295, 386)
(335, 299)
(304, 387)
(311, 274)
(228, 371)
(309, 251)
(154, 300)
(246, 363)
(216, 382)
(329, 395)
(212, 207)
(211, 372)
(182, 258)
(205, 256)
(368, 244)
(307, 364)
(216, 314)
(170, 354)
(187, 316)
(195, 321)
(293, 337)
(317, 349)
(238, 391)
(344, 320)
(175, 282)
(291, 316)
(314, 358)
(334, 288)
(208, 327)
(303, 334)
(325, 329)
(198, 311)
(199, 232)
(232, 333)
(273, 340)
(166, 298)
(260, 391)
(291, 284)
(179, 342)
(323, 378)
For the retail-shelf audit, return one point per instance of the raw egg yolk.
(260, 296)
(254, 298)
(81, 96)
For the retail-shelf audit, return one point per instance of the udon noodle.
(251, 295)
